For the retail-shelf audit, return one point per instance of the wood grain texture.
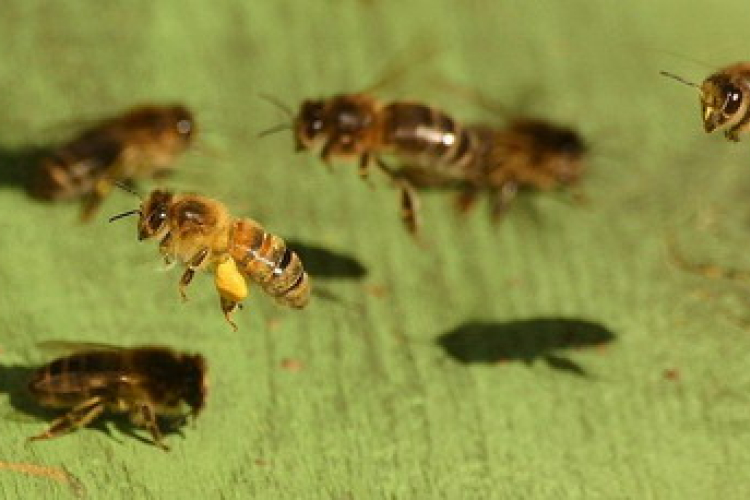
(371, 405)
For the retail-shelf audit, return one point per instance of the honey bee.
(200, 233)
(725, 99)
(146, 382)
(142, 142)
(433, 149)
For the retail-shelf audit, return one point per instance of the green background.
(380, 409)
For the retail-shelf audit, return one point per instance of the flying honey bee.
(725, 99)
(143, 142)
(433, 149)
(200, 233)
(146, 382)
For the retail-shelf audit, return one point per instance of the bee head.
(154, 213)
(723, 102)
(310, 126)
(196, 382)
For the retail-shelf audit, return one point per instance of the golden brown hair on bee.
(146, 382)
(528, 154)
(725, 99)
(536, 154)
(142, 142)
(265, 259)
(200, 233)
(358, 126)
(344, 126)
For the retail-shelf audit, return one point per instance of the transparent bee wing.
(418, 53)
(65, 347)
(523, 103)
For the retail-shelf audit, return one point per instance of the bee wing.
(418, 52)
(66, 347)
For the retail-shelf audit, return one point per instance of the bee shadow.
(524, 340)
(323, 263)
(18, 166)
(14, 381)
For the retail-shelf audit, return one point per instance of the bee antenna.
(279, 104)
(124, 214)
(679, 79)
(128, 189)
(274, 129)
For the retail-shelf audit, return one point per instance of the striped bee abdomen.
(266, 260)
(427, 138)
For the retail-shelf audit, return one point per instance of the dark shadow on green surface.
(524, 340)
(323, 263)
(14, 381)
(18, 166)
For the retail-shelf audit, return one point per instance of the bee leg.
(325, 153)
(409, 207)
(409, 199)
(501, 198)
(164, 243)
(387, 170)
(232, 288)
(164, 249)
(364, 165)
(79, 416)
(143, 415)
(228, 307)
(466, 200)
(185, 280)
(194, 263)
(732, 135)
(364, 168)
(94, 199)
(176, 423)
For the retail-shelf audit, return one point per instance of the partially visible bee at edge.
(200, 233)
(142, 142)
(145, 382)
(433, 149)
(725, 99)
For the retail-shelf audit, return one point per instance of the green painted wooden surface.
(379, 408)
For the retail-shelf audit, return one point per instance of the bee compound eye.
(733, 101)
(157, 218)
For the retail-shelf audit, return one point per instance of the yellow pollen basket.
(230, 282)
